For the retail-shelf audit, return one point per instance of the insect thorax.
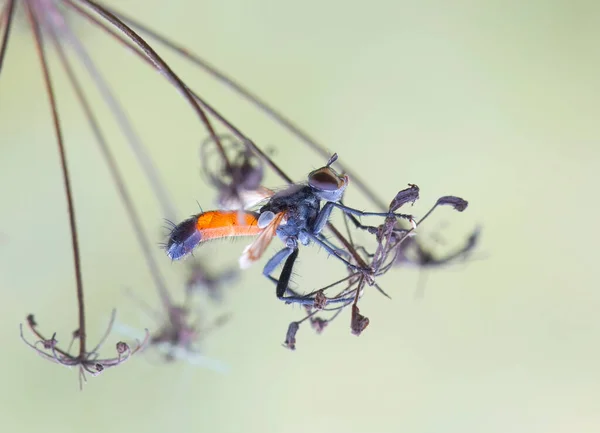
(301, 206)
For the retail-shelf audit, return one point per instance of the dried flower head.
(290, 336)
(88, 361)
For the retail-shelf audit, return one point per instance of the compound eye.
(325, 179)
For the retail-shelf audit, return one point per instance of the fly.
(297, 215)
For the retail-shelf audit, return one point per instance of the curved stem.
(134, 218)
(39, 44)
(160, 65)
(253, 98)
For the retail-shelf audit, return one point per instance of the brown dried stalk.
(48, 21)
(87, 360)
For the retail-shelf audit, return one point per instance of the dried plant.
(235, 177)
(234, 165)
(200, 279)
(233, 182)
(49, 22)
(87, 361)
(238, 182)
(367, 266)
(296, 216)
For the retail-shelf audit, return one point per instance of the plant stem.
(65, 172)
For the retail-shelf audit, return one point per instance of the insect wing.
(247, 198)
(256, 249)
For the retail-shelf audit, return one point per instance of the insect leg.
(322, 218)
(286, 274)
(352, 211)
(290, 254)
(335, 247)
(325, 213)
(275, 261)
(330, 250)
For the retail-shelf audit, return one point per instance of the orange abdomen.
(221, 224)
(209, 225)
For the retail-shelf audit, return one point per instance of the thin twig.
(209, 108)
(159, 63)
(126, 199)
(251, 97)
(65, 171)
(120, 116)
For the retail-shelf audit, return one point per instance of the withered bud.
(320, 300)
(49, 344)
(410, 194)
(99, 368)
(456, 202)
(290, 337)
(31, 321)
(122, 347)
(76, 334)
(359, 322)
(318, 324)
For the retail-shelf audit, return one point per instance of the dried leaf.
(290, 338)
(410, 194)
(359, 322)
(456, 202)
(319, 324)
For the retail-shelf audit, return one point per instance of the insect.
(297, 215)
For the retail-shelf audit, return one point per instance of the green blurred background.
(495, 101)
